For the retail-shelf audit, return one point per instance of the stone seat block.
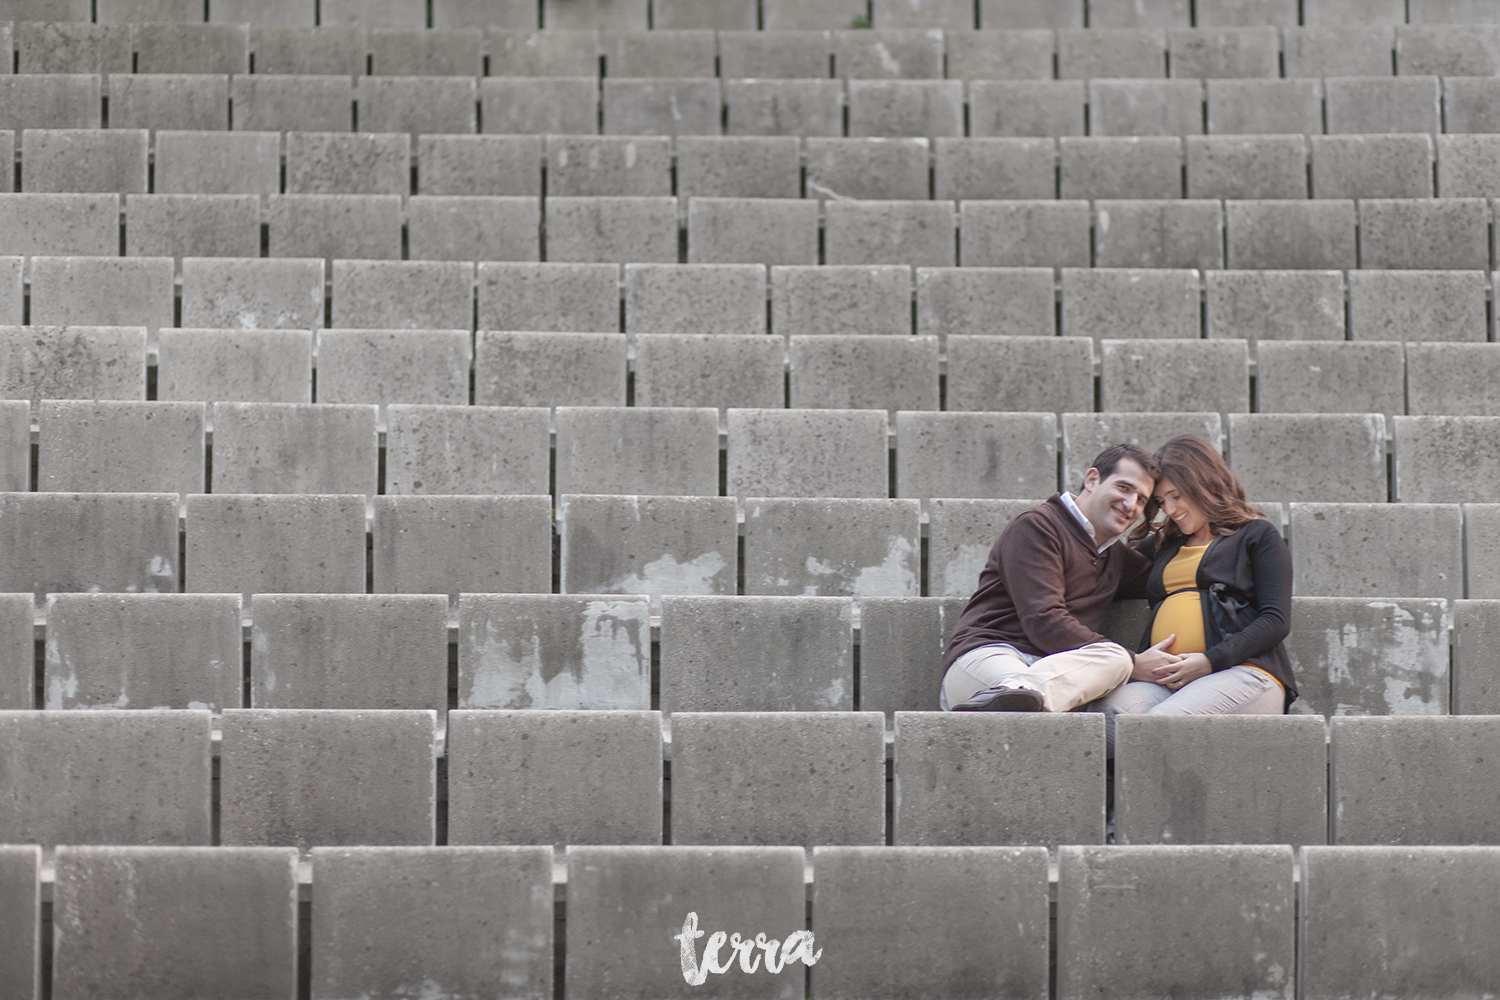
(757, 654)
(906, 107)
(714, 299)
(252, 293)
(106, 777)
(1146, 376)
(1016, 301)
(269, 543)
(61, 224)
(1159, 234)
(1475, 670)
(832, 547)
(71, 47)
(656, 451)
(198, 101)
(89, 160)
(900, 640)
(1448, 50)
(751, 231)
(647, 545)
(403, 295)
(989, 373)
(1469, 104)
(50, 100)
(1290, 235)
(784, 107)
(201, 921)
(1181, 780)
(565, 298)
(308, 103)
(996, 169)
(1138, 166)
(21, 888)
(773, 54)
(1445, 459)
(808, 453)
(1244, 927)
(960, 534)
(527, 651)
(458, 450)
(706, 369)
(111, 542)
(607, 14)
(1334, 44)
(588, 166)
(1257, 306)
(348, 163)
(1467, 165)
(426, 51)
(540, 105)
(18, 647)
(605, 230)
(919, 233)
(178, 651)
(729, 778)
(467, 917)
(1131, 303)
(889, 53)
(1087, 434)
(964, 779)
(549, 369)
(861, 372)
(1266, 107)
(300, 777)
(841, 299)
(1377, 550)
(294, 448)
(556, 52)
(1446, 233)
(1145, 107)
(102, 291)
(1246, 167)
(473, 228)
(1371, 166)
(739, 166)
(1452, 379)
(462, 544)
(662, 106)
(192, 225)
(1111, 51)
(1367, 105)
(975, 454)
(394, 366)
(868, 168)
(1330, 377)
(72, 362)
(1042, 107)
(192, 48)
(1033, 234)
(417, 104)
(360, 226)
(472, 165)
(1417, 305)
(1223, 51)
(120, 446)
(661, 52)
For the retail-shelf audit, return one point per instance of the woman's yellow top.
(1183, 613)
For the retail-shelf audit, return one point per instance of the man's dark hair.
(1108, 460)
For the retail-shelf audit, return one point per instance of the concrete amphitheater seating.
(510, 469)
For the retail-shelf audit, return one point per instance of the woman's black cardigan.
(1254, 565)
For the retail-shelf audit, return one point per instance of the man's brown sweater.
(1045, 587)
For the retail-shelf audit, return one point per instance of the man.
(1028, 640)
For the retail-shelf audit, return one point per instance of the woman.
(1221, 596)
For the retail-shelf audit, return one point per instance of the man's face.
(1113, 504)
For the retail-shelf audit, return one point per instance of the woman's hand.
(1186, 670)
(1154, 659)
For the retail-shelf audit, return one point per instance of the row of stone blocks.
(303, 778)
(737, 106)
(621, 921)
(254, 302)
(1351, 656)
(1326, 234)
(891, 51)
(196, 164)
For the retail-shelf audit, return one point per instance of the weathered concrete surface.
(858, 372)
(311, 103)
(47, 100)
(447, 450)
(914, 52)
(638, 450)
(293, 45)
(557, 52)
(348, 163)
(269, 543)
(198, 101)
(906, 107)
(695, 298)
(12, 269)
(809, 107)
(661, 107)
(1446, 459)
(195, 921)
(778, 778)
(626, 903)
(1085, 435)
(68, 47)
(269, 366)
(811, 453)
(1145, 107)
(58, 542)
(1448, 49)
(1452, 379)
(1371, 166)
(994, 168)
(417, 104)
(294, 448)
(901, 644)
(1275, 305)
(752, 231)
(554, 651)
(363, 226)
(959, 538)
(710, 369)
(593, 165)
(1159, 234)
(1481, 567)
(17, 652)
(1236, 779)
(1476, 657)
(1232, 166)
(409, 295)
(1330, 377)
(1230, 52)
(112, 160)
(570, 298)
(1353, 656)
(976, 454)
(832, 547)
(138, 777)
(954, 888)
(1397, 920)
(491, 165)
(1442, 233)
(349, 651)
(102, 291)
(1024, 234)
(1378, 549)
(1310, 456)
(192, 48)
(975, 778)
(1339, 41)
(461, 921)
(684, 51)
(867, 168)
(748, 166)
(119, 446)
(143, 651)
(21, 916)
(192, 225)
(1044, 107)
(302, 778)
(252, 294)
(995, 301)
(422, 50)
(1292, 234)
(15, 452)
(394, 366)
(1130, 303)
(647, 545)
(1418, 305)
(1413, 781)
(462, 544)
(217, 163)
(757, 654)
(516, 106)
(1236, 940)
(1123, 51)
(1120, 166)
(772, 54)
(557, 777)
(915, 233)
(1369, 105)
(467, 228)
(550, 369)
(1469, 104)
(1146, 376)
(594, 230)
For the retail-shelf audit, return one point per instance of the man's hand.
(1155, 659)
(1187, 669)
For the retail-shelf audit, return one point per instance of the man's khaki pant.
(1066, 680)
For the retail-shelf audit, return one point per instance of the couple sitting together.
(1216, 574)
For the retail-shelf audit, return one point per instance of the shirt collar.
(1088, 526)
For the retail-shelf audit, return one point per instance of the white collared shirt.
(1072, 505)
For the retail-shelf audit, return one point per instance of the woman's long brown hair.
(1204, 479)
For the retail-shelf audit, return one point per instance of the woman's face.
(1188, 515)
